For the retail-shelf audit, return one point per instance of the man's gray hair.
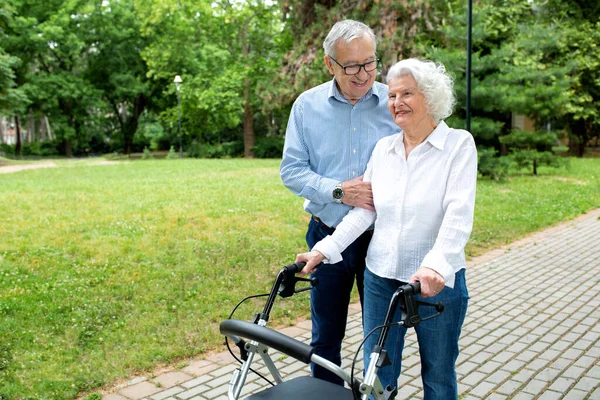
(432, 80)
(346, 31)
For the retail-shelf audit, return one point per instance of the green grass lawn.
(109, 270)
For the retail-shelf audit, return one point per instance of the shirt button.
(354, 129)
(354, 151)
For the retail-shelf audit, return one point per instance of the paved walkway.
(531, 331)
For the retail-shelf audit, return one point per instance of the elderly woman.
(423, 181)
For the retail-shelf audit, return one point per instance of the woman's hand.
(312, 260)
(431, 281)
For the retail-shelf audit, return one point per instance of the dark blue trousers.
(329, 299)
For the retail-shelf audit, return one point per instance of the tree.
(12, 99)
(115, 66)
(49, 41)
(221, 52)
(532, 149)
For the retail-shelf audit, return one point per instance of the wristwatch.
(338, 193)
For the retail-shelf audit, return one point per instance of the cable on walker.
(284, 286)
(403, 299)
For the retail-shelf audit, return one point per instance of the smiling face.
(407, 104)
(358, 51)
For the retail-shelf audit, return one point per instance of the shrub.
(532, 149)
(147, 154)
(219, 150)
(490, 165)
(268, 147)
(171, 154)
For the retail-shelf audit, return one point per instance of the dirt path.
(6, 169)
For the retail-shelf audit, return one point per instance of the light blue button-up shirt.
(328, 140)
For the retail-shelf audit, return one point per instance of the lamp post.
(178, 81)
(469, 49)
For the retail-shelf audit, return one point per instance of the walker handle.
(416, 287)
(295, 267)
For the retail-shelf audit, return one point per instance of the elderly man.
(331, 133)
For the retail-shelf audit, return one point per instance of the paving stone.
(584, 362)
(523, 396)
(512, 384)
(496, 396)
(488, 367)
(482, 389)
(466, 368)
(170, 379)
(535, 386)
(140, 390)
(220, 381)
(550, 395)
(575, 395)
(473, 378)
(113, 396)
(562, 384)
(167, 393)
(498, 376)
(198, 368)
(587, 384)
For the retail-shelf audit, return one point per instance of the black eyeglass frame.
(360, 66)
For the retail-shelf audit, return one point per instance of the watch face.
(338, 193)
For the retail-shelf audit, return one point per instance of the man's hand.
(357, 193)
(431, 281)
(312, 260)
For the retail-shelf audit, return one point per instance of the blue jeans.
(437, 337)
(329, 299)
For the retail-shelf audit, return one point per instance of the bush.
(147, 154)
(268, 147)
(532, 149)
(219, 150)
(171, 154)
(490, 165)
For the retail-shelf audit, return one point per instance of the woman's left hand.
(431, 281)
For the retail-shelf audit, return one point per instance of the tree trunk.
(68, 147)
(31, 134)
(248, 112)
(580, 133)
(18, 142)
(132, 121)
(249, 139)
(2, 129)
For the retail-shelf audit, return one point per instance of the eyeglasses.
(355, 68)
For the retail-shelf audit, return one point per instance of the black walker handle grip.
(416, 287)
(295, 267)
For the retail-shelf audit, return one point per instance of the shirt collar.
(334, 92)
(437, 139)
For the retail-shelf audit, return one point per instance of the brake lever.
(313, 283)
(288, 285)
(439, 307)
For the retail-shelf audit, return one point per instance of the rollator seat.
(303, 388)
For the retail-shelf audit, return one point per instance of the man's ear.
(328, 64)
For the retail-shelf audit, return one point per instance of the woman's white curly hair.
(433, 81)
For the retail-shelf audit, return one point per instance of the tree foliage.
(102, 71)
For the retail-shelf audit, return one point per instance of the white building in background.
(32, 130)
(7, 131)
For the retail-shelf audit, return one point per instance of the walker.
(254, 338)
